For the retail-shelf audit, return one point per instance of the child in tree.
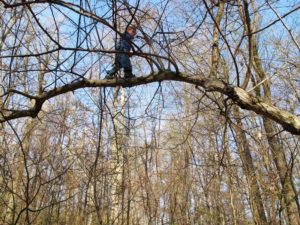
(122, 60)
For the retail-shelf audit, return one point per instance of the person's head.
(131, 30)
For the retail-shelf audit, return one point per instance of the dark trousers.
(123, 61)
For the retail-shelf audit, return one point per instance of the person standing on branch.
(122, 59)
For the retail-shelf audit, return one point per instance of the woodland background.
(208, 132)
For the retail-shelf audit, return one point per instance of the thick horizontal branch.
(239, 96)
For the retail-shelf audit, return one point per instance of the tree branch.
(238, 95)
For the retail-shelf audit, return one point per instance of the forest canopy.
(205, 132)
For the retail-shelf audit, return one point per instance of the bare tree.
(206, 133)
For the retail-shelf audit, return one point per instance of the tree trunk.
(249, 170)
(289, 193)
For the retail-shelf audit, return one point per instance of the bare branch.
(239, 96)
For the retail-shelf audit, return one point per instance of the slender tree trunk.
(285, 173)
(215, 56)
(249, 170)
(289, 193)
(243, 145)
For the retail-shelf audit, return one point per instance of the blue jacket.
(124, 43)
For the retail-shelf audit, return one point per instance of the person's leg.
(126, 64)
(112, 72)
